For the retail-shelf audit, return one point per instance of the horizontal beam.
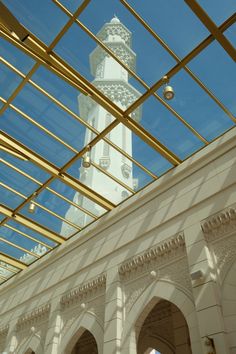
(55, 171)
(13, 262)
(37, 50)
(32, 225)
(211, 26)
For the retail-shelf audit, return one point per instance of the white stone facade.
(139, 257)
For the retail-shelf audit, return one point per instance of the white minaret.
(112, 80)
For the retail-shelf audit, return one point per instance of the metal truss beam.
(55, 171)
(31, 224)
(211, 26)
(11, 261)
(36, 49)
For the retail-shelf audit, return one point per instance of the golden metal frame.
(210, 25)
(31, 224)
(11, 261)
(10, 29)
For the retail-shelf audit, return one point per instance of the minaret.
(112, 80)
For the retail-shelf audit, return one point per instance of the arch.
(229, 304)
(160, 289)
(157, 343)
(86, 321)
(31, 345)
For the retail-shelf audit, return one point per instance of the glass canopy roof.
(57, 108)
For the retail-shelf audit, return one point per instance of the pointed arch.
(229, 304)
(31, 345)
(156, 291)
(86, 321)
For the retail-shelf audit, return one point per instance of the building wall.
(108, 278)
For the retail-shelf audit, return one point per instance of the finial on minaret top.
(115, 20)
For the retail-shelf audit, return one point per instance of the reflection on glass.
(16, 253)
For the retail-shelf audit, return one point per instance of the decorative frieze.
(163, 252)
(219, 224)
(115, 29)
(34, 316)
(4, 330)
(84, 291)
(120, 92)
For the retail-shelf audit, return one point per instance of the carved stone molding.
(34, 316)
(84, 291)
(120, 49)
(118, 29)
(219, 224)
(4, 330)
(118, 91)
(162, 253)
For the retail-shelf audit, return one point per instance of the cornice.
(33, 316)
(4, 330)
(118, 91)
(220, 224)
(163, 252)
(86, 290)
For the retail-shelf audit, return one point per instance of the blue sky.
(179, 28)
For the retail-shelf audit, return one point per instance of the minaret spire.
(112, 80)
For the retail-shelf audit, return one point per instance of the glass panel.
(19, 128)
(44, 218)
(2, 217)
(90, 63)
(218, 10)
(168, 129)
(99, 182)
(76, 197)
(42, 18)
(20, 240)
(16, 57)
(217, 70)
(171, 25)
(16, 253)
(59, 206)
(6, 273)
(9, 81)
(21, 228)
(25, 166)
(115, 163)
(197, 108)
(153, 62)
(50, 116)
(17, 181)
(9, 199)
(71, 5)
(142, 153)
(231, 34)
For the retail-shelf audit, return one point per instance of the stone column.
(205, 292)
(53, 336)
(113, 313)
